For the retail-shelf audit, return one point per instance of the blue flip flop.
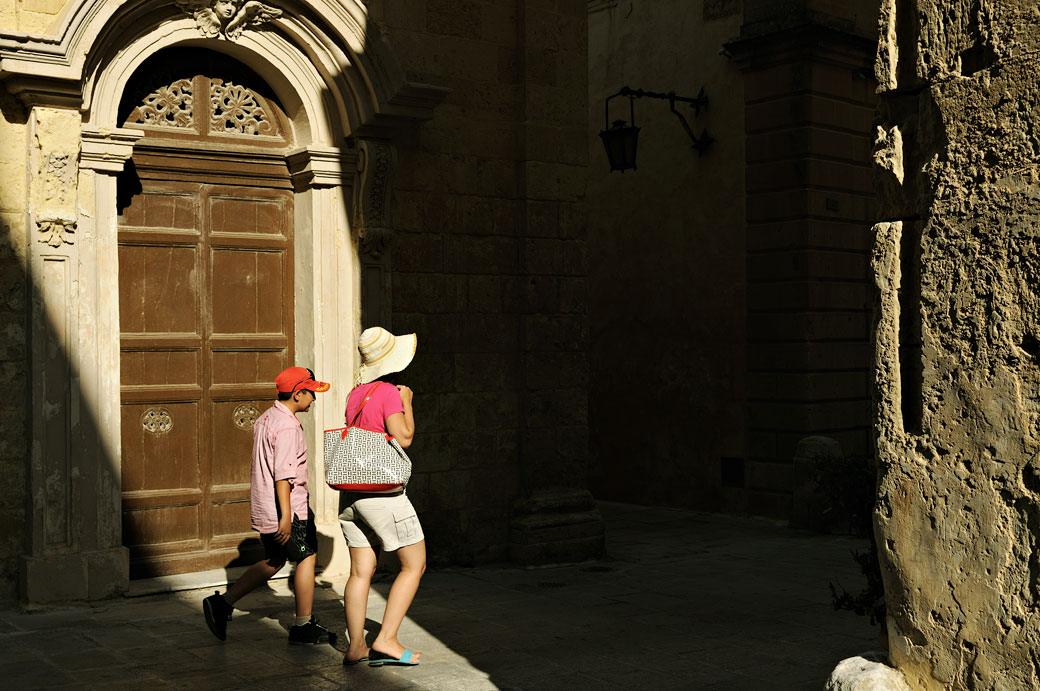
(351, 663)
(377, 659)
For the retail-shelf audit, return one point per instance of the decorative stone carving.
(236, 110)
(54, 174)
(371, 215)
(245, 415)
(229, 17)
(168, 106)
(157, 421)
(56, 231)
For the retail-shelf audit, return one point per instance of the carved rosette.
(371, 214)
(168, 106)
(236, 110)
(245, 415)
(157, 421)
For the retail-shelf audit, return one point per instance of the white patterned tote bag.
(363, 460)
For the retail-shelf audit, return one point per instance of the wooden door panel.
(165, 207)
(158, 289)
(250, 298)
(207, 362)
(160, 367)
(234, 215)
(231, 521)
(232, 440)
(156, 528)
(160, 446)
(248, 367)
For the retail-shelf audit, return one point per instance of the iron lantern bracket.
(700, 144)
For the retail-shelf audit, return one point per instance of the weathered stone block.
(107, 571)
(485, 372)
(430, 293)
(555, 332)
(462, 19)
(468, 254)
(488, 333)
(494, 294)
(555, 525)
(59, 578)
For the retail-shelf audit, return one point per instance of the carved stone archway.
(345, 95)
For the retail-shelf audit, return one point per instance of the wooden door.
(206, 321)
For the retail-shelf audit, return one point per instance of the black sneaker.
(218, 614)
(310, 633)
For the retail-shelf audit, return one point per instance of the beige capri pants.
(391, 520)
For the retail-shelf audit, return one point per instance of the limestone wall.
(957, 267)
(489, 259)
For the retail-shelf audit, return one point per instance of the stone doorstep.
(214, 578)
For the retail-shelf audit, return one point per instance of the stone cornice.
(107, 150)
(809, 40)
(317, 166)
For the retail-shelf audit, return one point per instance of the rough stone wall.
(489, 260)
(957, 267)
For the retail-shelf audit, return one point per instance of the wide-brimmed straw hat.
(383, 353)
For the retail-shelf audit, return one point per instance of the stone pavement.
(684, 600)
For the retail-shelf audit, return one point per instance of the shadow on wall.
(14, 372)
(62, 388)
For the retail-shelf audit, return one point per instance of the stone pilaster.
(326, 325)
(372, 225)
(75, 547)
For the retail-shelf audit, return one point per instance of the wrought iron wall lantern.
(620, 138)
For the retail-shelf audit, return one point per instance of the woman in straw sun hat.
(385, 517)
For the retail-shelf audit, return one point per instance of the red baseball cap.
(293, 379)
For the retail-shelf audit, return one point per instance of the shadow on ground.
(683, 601)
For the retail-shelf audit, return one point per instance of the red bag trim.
(363, 488)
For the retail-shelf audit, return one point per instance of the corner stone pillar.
(74, 549)
(555, 518)
(808, 103)
(957, 342)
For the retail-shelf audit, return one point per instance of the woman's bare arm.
(402, 425)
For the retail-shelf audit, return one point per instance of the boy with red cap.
(279, 509)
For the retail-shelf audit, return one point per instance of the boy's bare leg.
(355, 598)
(303, 586)
(402, 592)
(256, 575)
